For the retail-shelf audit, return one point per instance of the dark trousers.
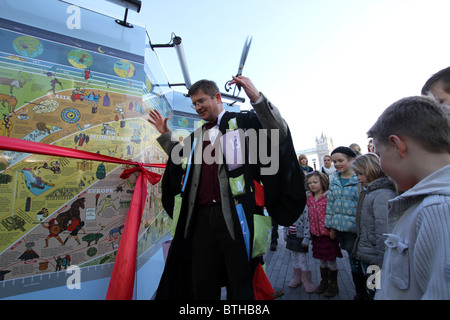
(274, 239)
(214, 256)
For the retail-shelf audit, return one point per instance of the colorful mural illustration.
(55, 211)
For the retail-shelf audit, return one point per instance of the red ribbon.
(121, 284)
(122, 279)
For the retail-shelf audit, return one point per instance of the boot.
(323, 285)
(359, 280)
(332, 289)
(297, 280)
(307, 281)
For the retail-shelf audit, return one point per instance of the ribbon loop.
(152, 177)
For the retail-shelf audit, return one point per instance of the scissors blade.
(244, 55)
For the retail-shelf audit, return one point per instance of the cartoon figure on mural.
(106, 100)
(74, 227)
(81, 139)
(11, 101)
(62, 262)
(54, 230)
(109, 202)
(53, 167)
(53, 84)
(63, 221)
(87, 74)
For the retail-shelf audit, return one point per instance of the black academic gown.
(285, 200)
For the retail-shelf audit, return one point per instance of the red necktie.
(210, 124)
(209, 189)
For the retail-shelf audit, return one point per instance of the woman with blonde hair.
(303, 161)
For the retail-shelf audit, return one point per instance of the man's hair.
(207, 86)
(442, 77)
(420, 118)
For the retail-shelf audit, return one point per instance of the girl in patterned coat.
(341, 207)
(323, 247)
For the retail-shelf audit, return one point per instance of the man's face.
(440, 95)
(207, 107)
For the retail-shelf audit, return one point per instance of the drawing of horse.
(73, 213)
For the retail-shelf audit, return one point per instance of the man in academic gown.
(209, 248)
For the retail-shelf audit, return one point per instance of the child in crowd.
(341, 210)
(376, 189)
(438, 86)
(356, 148)
(328, 167)
(323, 247)
(412, 139)
(303, 161)
(370, 146)
(297, 242)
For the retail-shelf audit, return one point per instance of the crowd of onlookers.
(388, 208)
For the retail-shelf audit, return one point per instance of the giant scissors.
(241, 64)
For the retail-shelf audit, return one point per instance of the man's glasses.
(200, 103)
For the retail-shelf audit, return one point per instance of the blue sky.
(329, 66)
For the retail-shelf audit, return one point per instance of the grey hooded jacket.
(371, 221)
(417, 259)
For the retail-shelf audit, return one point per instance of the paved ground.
(279, 271)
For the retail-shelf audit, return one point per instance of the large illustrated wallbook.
(57, 211)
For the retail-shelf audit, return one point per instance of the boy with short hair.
(412, 138)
